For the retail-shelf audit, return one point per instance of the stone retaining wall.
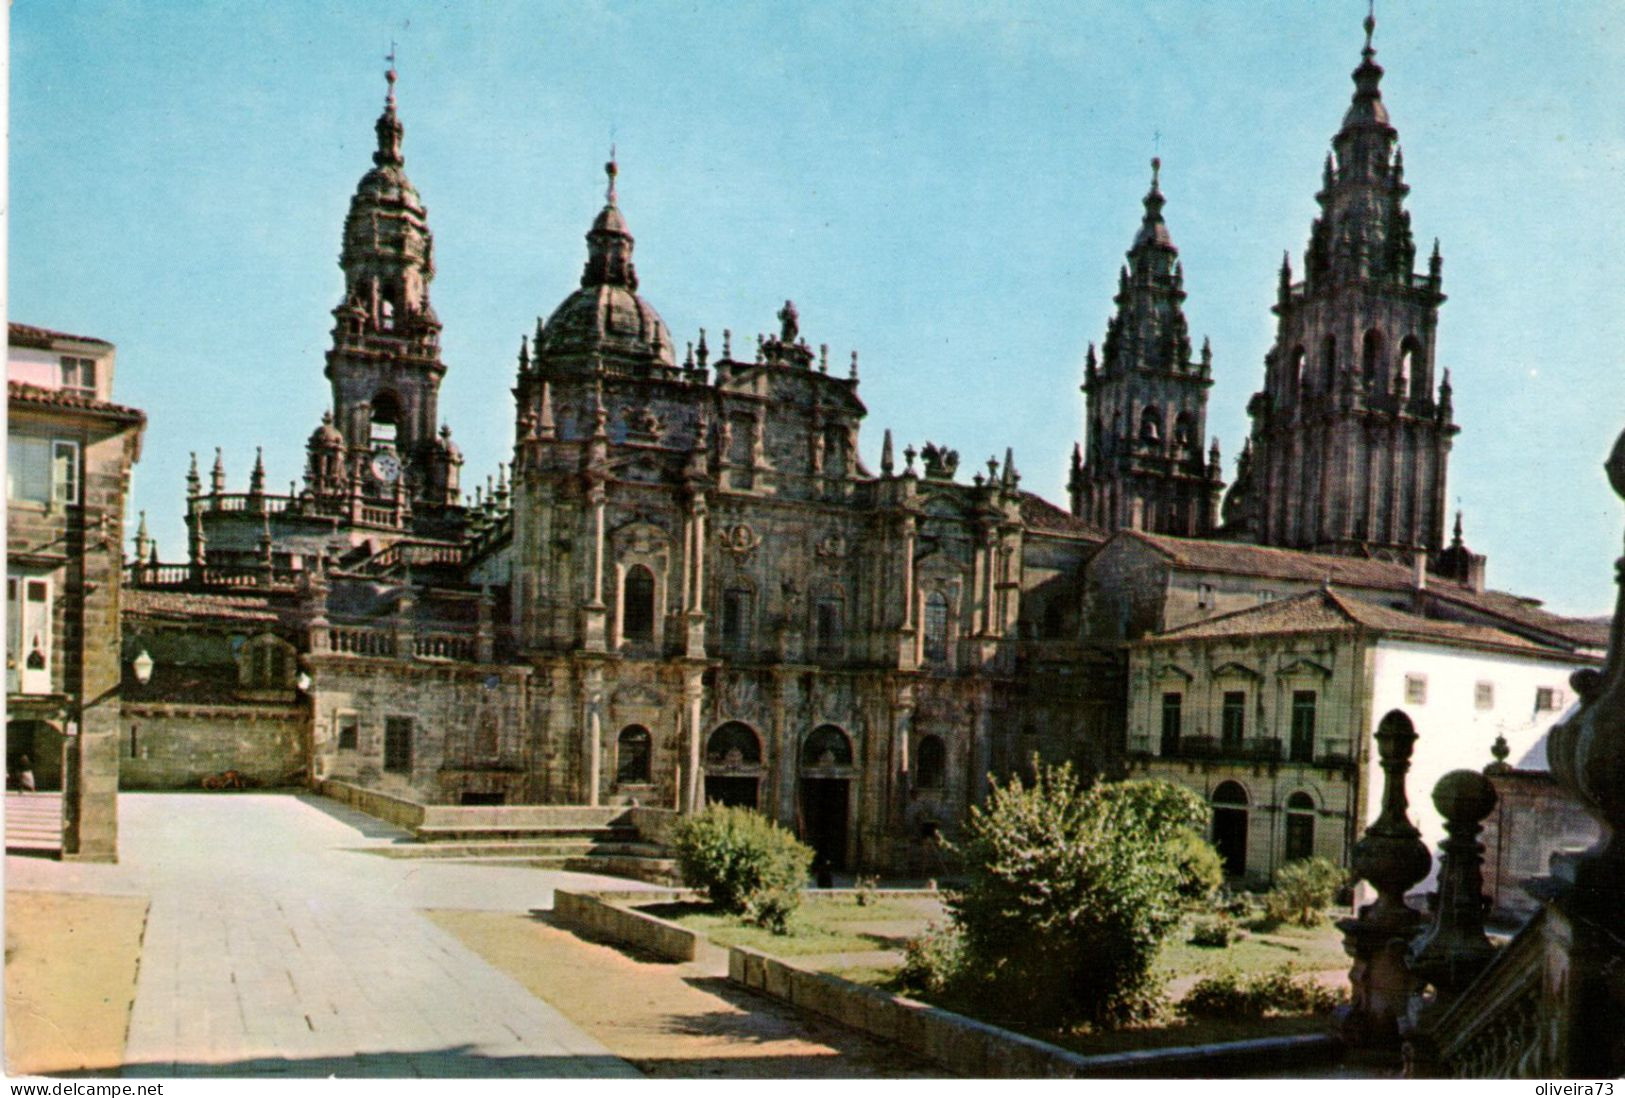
(607, 915)
(396, 810)
(978, 1050)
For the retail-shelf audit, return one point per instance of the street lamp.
(143, 667)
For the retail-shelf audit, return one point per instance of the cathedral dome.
(606, 315)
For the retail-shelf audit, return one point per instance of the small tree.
(1069, 893)
(746, 863)
(1303, 891)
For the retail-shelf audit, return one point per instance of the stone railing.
(1250, 749)
(177, 576)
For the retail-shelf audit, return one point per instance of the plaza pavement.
(275, 945)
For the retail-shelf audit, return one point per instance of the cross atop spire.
(390, 74)
(611, 170)
(1370, 25)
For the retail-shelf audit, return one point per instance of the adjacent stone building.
(69, 452)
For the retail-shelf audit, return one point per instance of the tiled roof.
(1327, 610)
(192, 605)
(1040, 514)
(78, 402)
(27, 335)
(1294, 564)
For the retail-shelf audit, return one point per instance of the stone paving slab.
(274, 946)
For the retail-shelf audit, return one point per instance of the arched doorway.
(733, 766)
(826, 785)
(1230, 827)
(1300, 827)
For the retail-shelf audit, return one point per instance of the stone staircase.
(34, 824)
(616, 840)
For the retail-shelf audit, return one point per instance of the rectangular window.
(1416, 689)
(42, 470)
(1172, 712)
(1233, 718)
(827, 628)
(135, 741)
(1484, 695)
(1265, 596)
(1548, 698)
(1204, 596)
(65, 472)
(736, 608)
(28, 469)
(79, 375)
(349, 731)
(1303, 726)
(398, 744)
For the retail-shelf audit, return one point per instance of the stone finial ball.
(1615, 465)
(1464, 795)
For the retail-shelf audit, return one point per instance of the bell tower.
(1146, 468)
(1351, 433)
(384, 364)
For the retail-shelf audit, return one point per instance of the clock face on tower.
(386, 467)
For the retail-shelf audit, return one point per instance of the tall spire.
(389, 125)
(1153, 230)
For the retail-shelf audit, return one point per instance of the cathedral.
(688, 587)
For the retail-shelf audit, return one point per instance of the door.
(823, 816)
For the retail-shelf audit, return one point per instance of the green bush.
(1303, 891)
(1069, 894)
(746, 863)
(1228, 994)
(931, 962)
(1214, 932)
(1201, 872)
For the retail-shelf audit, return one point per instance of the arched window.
(1184, 431)
(386, 415)
(632, 755)
(1294, 378)
(936, 627)
(1414, 366)
(733, 744)
(1230, 826)
(1371, 360)
(826, 746)
(1328, 363)
(638, 604)
(1151, 425)
(386, 315)
(1300, 827)
(930, 763)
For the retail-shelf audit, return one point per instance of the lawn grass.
(1314, 949)
(819, 925)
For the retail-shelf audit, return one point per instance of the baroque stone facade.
(687, 586)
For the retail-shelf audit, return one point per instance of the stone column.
(594, 614)
(1392, 858)
(593, 691)
(693, 694)
(1450, 953)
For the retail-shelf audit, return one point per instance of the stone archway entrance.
(1230, 827)
(733, 766)
(826, 795)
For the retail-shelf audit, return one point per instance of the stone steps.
(509, 832)
(545, 848)
(34, 822)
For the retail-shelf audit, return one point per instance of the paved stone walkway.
(276, 946)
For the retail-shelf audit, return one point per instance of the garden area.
(1091, 917)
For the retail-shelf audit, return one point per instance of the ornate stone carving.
(739, 539)
(833, 547)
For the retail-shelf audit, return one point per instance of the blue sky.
(946, 187)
